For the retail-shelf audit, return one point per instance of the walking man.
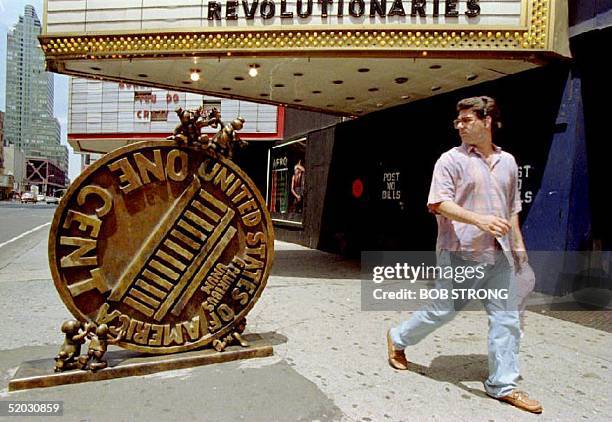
(474, 195)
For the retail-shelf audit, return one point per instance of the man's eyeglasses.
(464, 121)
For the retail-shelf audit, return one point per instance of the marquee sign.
(361, 12)
(272, 24)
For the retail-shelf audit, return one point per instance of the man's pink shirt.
(462, 175)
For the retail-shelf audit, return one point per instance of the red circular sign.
(357, 188)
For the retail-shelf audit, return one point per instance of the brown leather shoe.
(397, 358)
(521, 400)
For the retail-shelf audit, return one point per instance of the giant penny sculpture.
(168, 243)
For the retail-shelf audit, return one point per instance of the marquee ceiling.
(340, 85)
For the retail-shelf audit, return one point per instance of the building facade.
(1, 141)
(29, 121)
(15, 167)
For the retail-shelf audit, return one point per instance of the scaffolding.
(45, 174)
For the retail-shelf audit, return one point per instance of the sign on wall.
(108, 107)
(391, 190)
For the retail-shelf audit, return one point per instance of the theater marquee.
(326, 44)
(360, 12)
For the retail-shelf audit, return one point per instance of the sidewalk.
(342, 350)
(329, 363)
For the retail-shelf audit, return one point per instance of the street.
(329, 359)
(17, 218)
(17, 222)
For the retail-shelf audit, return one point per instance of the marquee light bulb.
(253, 70)
(195, 75)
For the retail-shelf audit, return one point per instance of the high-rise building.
(1, 140)
(29, 121)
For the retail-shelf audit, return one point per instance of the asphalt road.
(16, 218)
(21, 228)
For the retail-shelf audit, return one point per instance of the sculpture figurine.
(189, 131)
(98, 344)
(68, 356)
(225, 140)
(233, 337)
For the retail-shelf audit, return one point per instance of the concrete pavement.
(329, 361)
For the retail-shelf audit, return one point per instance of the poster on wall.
(286, 178)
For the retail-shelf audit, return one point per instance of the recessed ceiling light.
(226, 88)
(263, 94)
(363, 70)
(253, 70)
(435, 66)
(316, 92)
(279, 85)
(373, 89)
(471, 76)
(297, 100)
(338, 82)
(436, 88)
(329, 105)
(379, 105)
(405, 97)
(350, 98)
(195, 75)
(401, 80)
(95, 68)
(298, 74)
(143, 75)
(238, 78)
(186, 82)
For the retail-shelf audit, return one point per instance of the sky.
(10, 10)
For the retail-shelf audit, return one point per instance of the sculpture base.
(124, 363)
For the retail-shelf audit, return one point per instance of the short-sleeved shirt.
(464, 176)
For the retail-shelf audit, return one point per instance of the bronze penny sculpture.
(168, 244)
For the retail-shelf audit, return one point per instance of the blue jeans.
(504, 325)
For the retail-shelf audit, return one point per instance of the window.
(286, 181)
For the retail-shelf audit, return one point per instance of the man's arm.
(491, 224)
(518, 245)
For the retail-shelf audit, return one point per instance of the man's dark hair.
(482, 107)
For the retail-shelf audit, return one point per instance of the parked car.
(56, 197)
(40, 197)
(28, 197)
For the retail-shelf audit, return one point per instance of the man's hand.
(493, 225)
